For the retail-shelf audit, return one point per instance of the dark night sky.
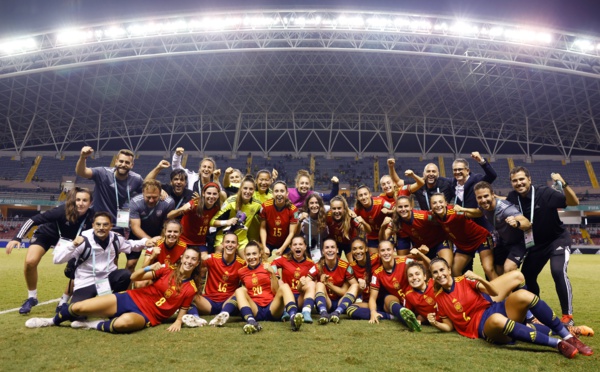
(20, 17)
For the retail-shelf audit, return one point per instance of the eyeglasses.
(458, 169)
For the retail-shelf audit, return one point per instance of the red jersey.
(421, 303)
(278, 221)
(292, 270)
(168, 256)
(258, 283)
(338, 275)
(194, 228)
(222, 278)
(421, 230)
(396, 282)
(403, 191)
(373, 215)
(463, 305)
(337, 233)
(360, 272)
(160, 300)
(464, 232)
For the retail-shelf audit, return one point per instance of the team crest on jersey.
(159, 213)
(429, 300)
(278, 221)
(297, 273)
(457, 306)
(226, 276)
(169, 292)
(254, 279)
(396, 284)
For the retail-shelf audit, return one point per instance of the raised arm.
(163, 164)
(490, 173)
(572, 199)
(81, 168)
(419, 181)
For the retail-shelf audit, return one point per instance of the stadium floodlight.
(350, 22)
(583, 45)
(464, 28)
(115, 32)
(18, 46)
(421, 25)
(70, 37)
(378, 22)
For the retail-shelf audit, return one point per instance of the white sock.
(306, 309)
(32, 294)
(64, 299)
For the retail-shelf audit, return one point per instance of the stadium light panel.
(18, 46)
(583, 45)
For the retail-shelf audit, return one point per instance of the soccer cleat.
(324, 318)
(410, 319)
(580, 331)
(307, 317)
(285, 317)
(219, 320)
(567, 320)
(334, 317)
(193, 321)
(27, 305)
(59, 307)
(251, 327)
(580, 346)
(86, 324)
(567, 349)
(39, 322)
(297, 321)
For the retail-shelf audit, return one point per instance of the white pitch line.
(17, 308)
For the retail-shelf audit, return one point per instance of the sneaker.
(307, 317)
(324, 318)
(285, 317)
(567, 349)
(567, 320)
(251, 327)
(410, 319)
(193, 321)
(580, 346)
(580, 331)
(27, 305)
(219, 320)
(334, 317)
(297, 321)
(39, 322)
(87, 324)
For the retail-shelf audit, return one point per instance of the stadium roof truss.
(320, 82)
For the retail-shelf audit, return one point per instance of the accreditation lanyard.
(117, 190)
(529, 242)
(427, 197)
(78, 231)
(102, 285)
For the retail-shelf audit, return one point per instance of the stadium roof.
(302, 81)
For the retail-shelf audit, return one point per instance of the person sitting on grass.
(464, 304)
(173, 289)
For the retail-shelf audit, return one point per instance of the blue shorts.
(125, 305)
(334, 305)
(495, 308)
(343, 248)
(373, 243)
(274, 248)
(215, 307)
(486, 245)
(263, 313)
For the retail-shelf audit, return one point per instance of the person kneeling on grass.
(464, 304)
(261, 297)
(136, 309)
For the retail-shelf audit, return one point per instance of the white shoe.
(193, 321)
(86, 324)
(219, 320)
(39, 322)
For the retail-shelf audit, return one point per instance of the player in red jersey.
(468, 236)
(196, 218)
(463, 303)
(373, 210)
(261, 297)
(279, 220)
(137, 309)
(337, 287)
(294, 267)
(393, 186)
(169, 248)
(221, 282)
(416, 228)
(391, 276)
(343, 225)
(421, 297)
